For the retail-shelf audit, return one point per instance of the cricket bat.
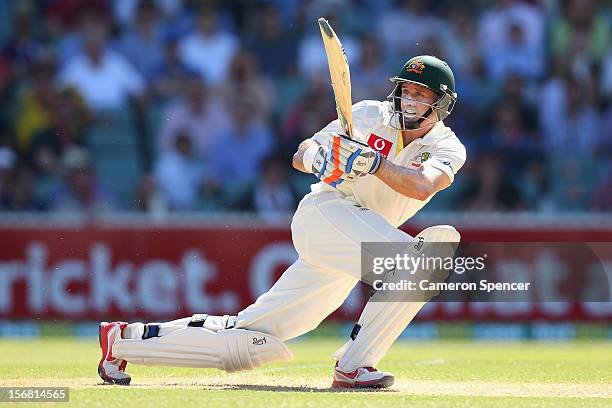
(340, 76)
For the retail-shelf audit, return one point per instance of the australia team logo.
(382, 146)
(420, 159)
(416, 66)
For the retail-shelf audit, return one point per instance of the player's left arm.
(422, 182)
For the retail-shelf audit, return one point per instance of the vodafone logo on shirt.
(382, 146)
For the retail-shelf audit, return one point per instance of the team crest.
(420, 159)
(416, 66)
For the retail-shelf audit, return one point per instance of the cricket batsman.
(400, 156)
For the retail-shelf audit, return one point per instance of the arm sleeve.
(449, 158)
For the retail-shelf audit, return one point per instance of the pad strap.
(150, 330)
(214, 323)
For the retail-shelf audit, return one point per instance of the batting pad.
(229, 350)
(383, 321)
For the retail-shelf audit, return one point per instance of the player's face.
(416, 100)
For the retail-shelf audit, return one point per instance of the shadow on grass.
(247, 387)
(285, 388)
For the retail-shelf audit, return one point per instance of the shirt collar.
(434, 135)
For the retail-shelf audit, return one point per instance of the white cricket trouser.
(327, 232)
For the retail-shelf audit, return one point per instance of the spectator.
(488, 188)
(143, 42)
(271, 197)
(308, 115)
(569, 118)
(573, 182)
(368, 76)
(70, 13)
(459, 49)
(524, 96)
(104, 78)
(402, 29)
(81, 191)
(312, 60)
(273, 46)
(179, 175)
(34, 104)
(171, 74)
(229, 77)
(69, 121)
(240, 150)
(67, 23)
(202, 116)
(22, 48)
(208, 50)
(126, 11)
(509, 134)
(21, 196)
(246, 83)
(517, 56)
(535, 186)
(580, 36)
(511, 39)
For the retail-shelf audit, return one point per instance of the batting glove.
(352, 157)
(322, 167)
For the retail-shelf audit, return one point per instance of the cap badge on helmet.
(417, 67)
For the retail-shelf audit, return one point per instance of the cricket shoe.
(111, 369)
(362, 377)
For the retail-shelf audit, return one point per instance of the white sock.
(137, 330)
(133, 331)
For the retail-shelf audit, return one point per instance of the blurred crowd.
(179, 105)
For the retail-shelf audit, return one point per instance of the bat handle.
(344, 136)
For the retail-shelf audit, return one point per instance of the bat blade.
(340, 75)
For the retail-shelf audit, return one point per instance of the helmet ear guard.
(444, 106)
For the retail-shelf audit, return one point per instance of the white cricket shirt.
(439, 148)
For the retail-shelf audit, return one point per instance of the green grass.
(436, 374)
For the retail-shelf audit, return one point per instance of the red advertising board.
(98, 272)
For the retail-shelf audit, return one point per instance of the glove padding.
(326, 171)
(354, 158)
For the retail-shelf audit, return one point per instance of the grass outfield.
(428, 374)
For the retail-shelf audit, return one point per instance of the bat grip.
(344, 136)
